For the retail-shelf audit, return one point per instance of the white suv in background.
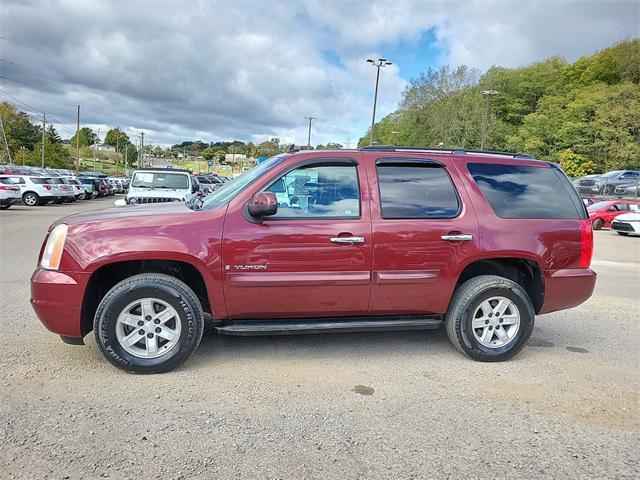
(33, 189)
(160, 185)
(9, 193)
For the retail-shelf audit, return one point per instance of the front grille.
(154, 200)
(587, 183)
(621, 227)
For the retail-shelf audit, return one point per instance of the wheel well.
(103, 279)
(527, 273)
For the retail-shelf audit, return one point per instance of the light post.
(381, 62)
(393, 135)
(310, 118)
(485, 121)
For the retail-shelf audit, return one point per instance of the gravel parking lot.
(376, 405)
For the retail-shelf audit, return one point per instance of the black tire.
(31, 199)
(6, 206)
(598, 223)
(464, 303)
(156, 285)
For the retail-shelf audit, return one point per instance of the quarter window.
(416, 191)
(318, 191)
(516, 191)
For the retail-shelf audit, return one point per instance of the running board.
(328, 325)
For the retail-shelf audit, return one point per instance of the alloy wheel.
(496, 322)
(148, 328)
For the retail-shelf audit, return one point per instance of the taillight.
(586, 240)
(48, 187)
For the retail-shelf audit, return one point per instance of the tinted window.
(41, 180)
(515, 191)
(415, 191)
(318, 191)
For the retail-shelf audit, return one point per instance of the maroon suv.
(328, 241)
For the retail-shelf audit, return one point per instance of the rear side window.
(515, 191)
(415, 190)
(41, 180)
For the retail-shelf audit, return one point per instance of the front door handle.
(347, 239)
(460, 237)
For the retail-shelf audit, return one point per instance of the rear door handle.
(460, 237)
(347, 239)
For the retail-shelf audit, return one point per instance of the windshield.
(160, 180)
(599, 205)
(235, 186)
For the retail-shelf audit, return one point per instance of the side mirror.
(263, 204)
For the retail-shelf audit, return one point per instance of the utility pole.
(142, 147)
(117, 152)
(126, 157)
(94, 149)
(381, 62)
(485, 120)
(78, 142)
(44, 125)
(310, 118)
(6, 144)
(393, 134)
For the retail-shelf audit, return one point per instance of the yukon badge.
(246, 267)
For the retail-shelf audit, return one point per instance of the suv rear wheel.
(490, 318)
(31, 199)
(149, 323)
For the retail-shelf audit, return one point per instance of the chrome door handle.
(461, 237)
(347, 239)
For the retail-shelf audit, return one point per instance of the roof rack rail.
(455, 151)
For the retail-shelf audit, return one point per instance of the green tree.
(116, 138)
(52, 134)
(87, 137)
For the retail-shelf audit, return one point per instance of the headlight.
(54, 247)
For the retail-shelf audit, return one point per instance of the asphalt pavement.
(343, 406)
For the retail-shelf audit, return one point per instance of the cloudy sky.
(250, 70)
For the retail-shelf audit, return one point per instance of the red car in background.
(602, 213)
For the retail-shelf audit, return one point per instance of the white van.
(159, 185)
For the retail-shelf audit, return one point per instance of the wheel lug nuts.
(490, 328)
(150, 335)
(486, 322)
(156, 321)
(158, 329)
(500, 320)
(491, 314)
(148, 317)
(140, 323)
(141, 332)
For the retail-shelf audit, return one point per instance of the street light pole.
(485, 120)
(310, 118)
(381, 62)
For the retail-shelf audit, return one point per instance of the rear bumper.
(56, 298)
(10, 201)
(567, 288)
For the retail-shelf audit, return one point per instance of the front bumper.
(56, 298)
(567, 288)
(626, 227)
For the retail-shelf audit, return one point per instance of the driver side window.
(318, 191)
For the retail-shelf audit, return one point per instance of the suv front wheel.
(149, 323)
(490, 318)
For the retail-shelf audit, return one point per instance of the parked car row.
(40, 186)
(622, 183)
(603, 214)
